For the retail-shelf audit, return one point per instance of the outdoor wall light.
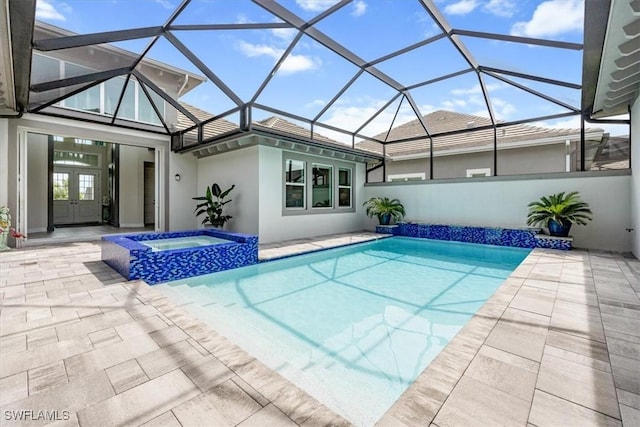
(177, 177)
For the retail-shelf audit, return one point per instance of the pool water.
(183, 242)
(352, 326)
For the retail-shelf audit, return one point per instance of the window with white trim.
(294, 184)
(322, 186)
(418, 176)
(344, 187)
(475, 173)
(316, 185)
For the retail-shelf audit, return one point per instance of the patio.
(557, 344)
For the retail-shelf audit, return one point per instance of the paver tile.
(207, 372)
(472, 400)
(174, 356)
(549, 410)
(46, 376)
(126, 375)
(223, 405)
(268, 416)
(142, 403)
(104, 337)
(579, 384)
(504, 371)
(14, 387)
(165, 420)
(630, 416)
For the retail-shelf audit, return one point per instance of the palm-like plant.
(385, 209)
(212, 205)
(559, 209)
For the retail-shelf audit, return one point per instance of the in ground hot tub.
(163, 257)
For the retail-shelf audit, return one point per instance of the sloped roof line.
(442, 121)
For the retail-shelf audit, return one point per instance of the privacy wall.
(503, 203)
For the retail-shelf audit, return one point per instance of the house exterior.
(80, 173)
(470, 154)
(290, 180)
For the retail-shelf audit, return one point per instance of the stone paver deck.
(557, 344)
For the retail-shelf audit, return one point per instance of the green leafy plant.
(385, 209)
(559, 209)
(212, 205)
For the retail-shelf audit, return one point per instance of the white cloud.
(292, 64)
(476, 89)
(454, 104)
(46, 10)
(295, 63)
(551, 18)
(359, 8)
(315, 103)
(505, 8)
(461, 7)
(165, 3)
(286, 34)
(350, 114)
(502, 109)
(316, 5)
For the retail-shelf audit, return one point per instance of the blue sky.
(312, 74)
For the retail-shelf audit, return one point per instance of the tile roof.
(441, 121)
(215, 128)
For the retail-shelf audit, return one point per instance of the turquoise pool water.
(352, 326)
(183, 242)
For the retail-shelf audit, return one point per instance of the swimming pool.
(183, 242)
(352, 326)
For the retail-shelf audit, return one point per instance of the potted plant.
(558, 212)
(385, 209)
(212, 206)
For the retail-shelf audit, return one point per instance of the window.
(102, 98)
(86, 185)
(112, 91)
(146, 113)
(68, 158)
(474, 173)
(60, 186)
(406, 177)
(315, 185)
(322, 188)
(295, 184)
(344, 188)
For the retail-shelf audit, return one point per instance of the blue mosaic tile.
(137, 261)
(468, 234)
(424, 230)
(439, 232)
(493, 236)
(388, 229)
(551, 243)
(518, 238)
(411, 230)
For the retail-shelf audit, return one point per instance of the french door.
(76, 196)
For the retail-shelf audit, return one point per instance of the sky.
(312, 74)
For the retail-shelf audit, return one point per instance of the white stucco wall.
(4, 162)
(635, 178)
(275, 227)
(181, 205)
(37, 170)
(132, 184)
(238, 167)
(504, 203)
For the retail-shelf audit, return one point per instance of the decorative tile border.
(135, 260)
(518, 237)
